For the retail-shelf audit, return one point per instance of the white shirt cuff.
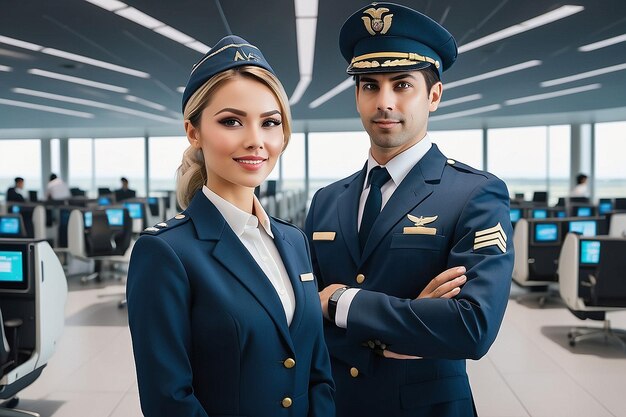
(343, 307)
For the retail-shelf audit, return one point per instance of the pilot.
(378, 236)
(223, 306)
(15, 193)
(124, 193)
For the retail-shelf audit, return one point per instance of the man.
(57, 189)
(582, 187)
(124, 193)
(394, 354)
(15, 193)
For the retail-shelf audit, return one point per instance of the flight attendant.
(223, 307)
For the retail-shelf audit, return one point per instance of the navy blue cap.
(387, 37)
(230, 52)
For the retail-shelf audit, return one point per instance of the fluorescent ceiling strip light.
(553, 94)
(20, 44)
(460, 100)
(303, 84)
(533, 23)
(91, 103)
(146, 103)
(95, 62)
(139, 17)
(583, 75)
(76, 80)
(602, 44)
(49, 109)
(198, 46)
(463, 113)
(347, 83)
(180, 89)
(5, 68)
(305, 29)
(110, 5)
(492, 74)
(306, 8)
(175, 35)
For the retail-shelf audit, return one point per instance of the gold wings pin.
(419, 228)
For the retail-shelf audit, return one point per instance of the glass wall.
(610, 165)
(20, 158)
(335, 155)
(463, 145)
(116, 158)
(559, 149)
(166, 154)
(80, 165)
(55, 156)
(293, 164)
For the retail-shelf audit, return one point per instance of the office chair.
(591, 276)
(540, 197)
(33, 291)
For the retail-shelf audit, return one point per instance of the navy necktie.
(377, 177)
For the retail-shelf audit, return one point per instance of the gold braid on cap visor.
(404, 58)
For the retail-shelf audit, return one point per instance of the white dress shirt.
(259, 241)
(57, 190)
(398, 168)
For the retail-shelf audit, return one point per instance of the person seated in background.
(582, 187)
(57, 189)
(124, 193)
(15, 193)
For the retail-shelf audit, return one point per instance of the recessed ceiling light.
(602, 44)
(175, 35)
(110, 5)
(463, 113)
(583, 75)
(77, 80)
(146, 103)
(5, 68)
(492, 74)
(20, 44)
(48, 109)
(139, 17)
(545, 96)
(460, 100)
(347, 83)
(95, 62)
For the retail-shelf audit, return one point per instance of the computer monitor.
(540, 197)
(583, 227)
(153, 204)
(104, 201)
(88, 219)
(620, 203)
(605, 206)
(545, 233)
(589, 252)
(32, 196)
(104, 191)
(115, 217)
(15, 209)
(539, 214)
(584, 211)
(13, 267)
(10, 226)
(560, 214)
(515, 214)
(135, 210)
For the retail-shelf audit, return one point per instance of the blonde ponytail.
(190, 176)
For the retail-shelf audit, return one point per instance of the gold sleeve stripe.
(496, 228)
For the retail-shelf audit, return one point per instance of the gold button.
(286, 402)
(162, 224)
(179, 216)
(354, 372)
(360, 278)
(289, 363)
(451, 161)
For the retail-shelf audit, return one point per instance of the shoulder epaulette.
(175, 221)
(460, 166)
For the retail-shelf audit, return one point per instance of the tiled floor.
(530, 371)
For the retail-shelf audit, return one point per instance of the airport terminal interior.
(91, 136)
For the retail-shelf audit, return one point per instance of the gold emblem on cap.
(376, 22)
(242, 56)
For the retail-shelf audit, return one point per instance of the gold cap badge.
(375, 22)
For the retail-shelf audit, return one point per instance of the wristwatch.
(332, 302)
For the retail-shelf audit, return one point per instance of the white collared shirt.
(398, 168)
(259, 241)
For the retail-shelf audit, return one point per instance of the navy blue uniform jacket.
(396, 267)
(209, 333)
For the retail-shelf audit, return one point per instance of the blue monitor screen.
(135, 210)
(15, 209)
(561, 214)
(115, 217)
(583, 227)
(9, 226)
(515, 214)
(583, 211)
(589, 252)
(11, 266)
(88, 217)
(540, 214)
(153, 200)
(104, 201)
(546, 232)
(604, 208)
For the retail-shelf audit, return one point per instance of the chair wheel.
(572, 343)
(570, 335)
(12, 403)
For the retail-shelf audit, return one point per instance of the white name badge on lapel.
(324, 235)
(306, 277)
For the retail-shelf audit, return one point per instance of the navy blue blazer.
(473, 229)
(209, 333)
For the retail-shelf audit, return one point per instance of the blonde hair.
(191, 174)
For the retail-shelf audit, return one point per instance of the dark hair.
(123, 179)
(18, 179)
(430, 76)
(580, 178)
(53, 177)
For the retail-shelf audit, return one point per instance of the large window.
(293, 164)
(610, 165)
(463, 145)
(166, 154)
(55, 156)
(116, 158)
(559, 150)
(80, 165)
(335, 155)
(20, 158)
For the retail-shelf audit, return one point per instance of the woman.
(223, 309)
